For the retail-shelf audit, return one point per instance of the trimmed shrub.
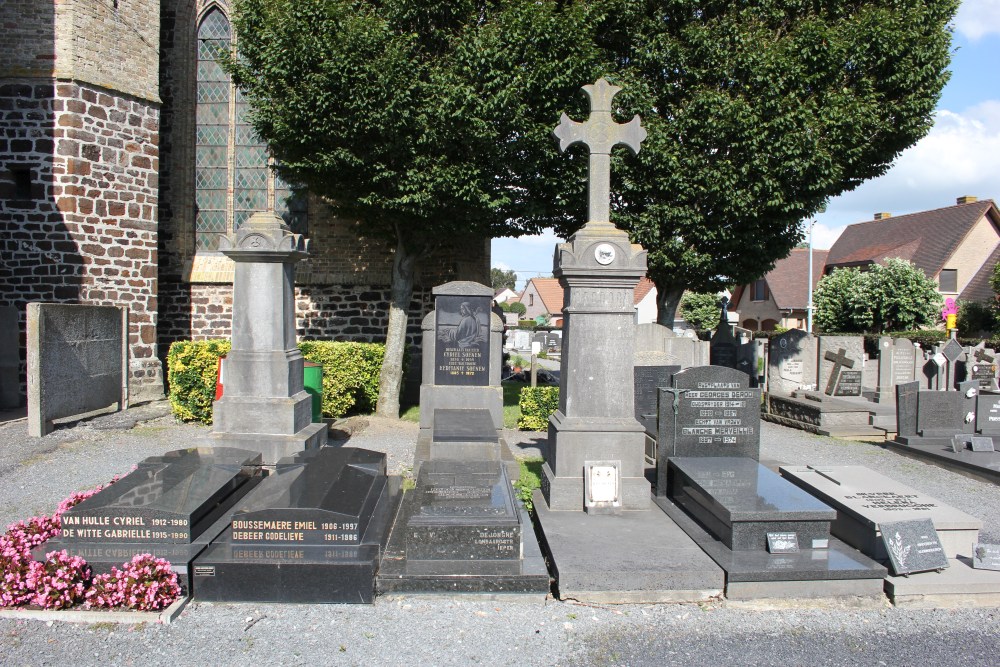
(192, 368)
(350, 375)
(536, 404)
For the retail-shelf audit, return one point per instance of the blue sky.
(960, 156)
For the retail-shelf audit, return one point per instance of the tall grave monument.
(265, 406)
(596, 445)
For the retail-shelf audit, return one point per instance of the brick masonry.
(79, 203)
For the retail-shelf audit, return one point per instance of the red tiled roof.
(644, 287)
(787, 280)
(926, 238)
(550, 292)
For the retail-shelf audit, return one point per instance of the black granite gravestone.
(906, 408)
(312, 531)
(709, 411)
(988, 413)
(647, 381)
(462, 350)
(464, 434)
(171, 506)
(913, 546)
(740, 502)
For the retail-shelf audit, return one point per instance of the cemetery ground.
(35, 473)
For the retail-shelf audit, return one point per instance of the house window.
(759, 290)
(531, 299)
(233, 178)
(948, 280)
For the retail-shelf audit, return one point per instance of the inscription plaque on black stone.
(782, 543)
(985, 374)
(986, 556)
(913, 546)
(168, 499)
(462, 333)
(906, 408)
(323, 497)
(849, 384)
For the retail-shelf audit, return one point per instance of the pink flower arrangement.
(145, 583)
(59, 582)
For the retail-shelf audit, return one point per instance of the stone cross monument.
(596, 459)
(264, 406)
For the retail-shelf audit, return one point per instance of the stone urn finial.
(264, 237)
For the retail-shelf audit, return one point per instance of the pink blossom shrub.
(145, 583)
(60, 582)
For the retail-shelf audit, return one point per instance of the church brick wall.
(79, 213)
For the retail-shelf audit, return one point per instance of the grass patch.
(512, 402)
(411, 414)
(529, 480)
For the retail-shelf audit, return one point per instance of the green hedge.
(350, 375)
(536, 404)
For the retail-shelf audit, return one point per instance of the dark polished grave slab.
(461, 530)
(171, 505)
(984, 465)
(740, 501)
(312, 531)
(647, 381)
(459, 434)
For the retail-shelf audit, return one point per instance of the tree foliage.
(894, 296)
(701, 309)
(430, 119)
(503, 278)
(757, 113)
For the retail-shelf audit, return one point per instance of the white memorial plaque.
(602, 482)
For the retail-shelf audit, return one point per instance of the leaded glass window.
(232, 176)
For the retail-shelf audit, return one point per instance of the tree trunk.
(668, 298)
(391, 376)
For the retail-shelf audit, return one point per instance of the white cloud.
(978, 18)
(957, 157)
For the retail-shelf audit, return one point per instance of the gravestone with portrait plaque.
(311, 532)
(791, 362)
(171, 506)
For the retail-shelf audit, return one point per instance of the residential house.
(544, 296)
(505, 294)
(957, 246)
(781, 297)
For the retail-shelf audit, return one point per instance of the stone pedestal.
(265, 406)
(598, 269)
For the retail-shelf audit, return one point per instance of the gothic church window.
(233, 179)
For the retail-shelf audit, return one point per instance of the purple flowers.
(145, 583)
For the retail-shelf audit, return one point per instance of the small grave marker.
(782, 543)
(913, 546)
(986, 556)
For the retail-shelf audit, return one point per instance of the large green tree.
(502, 278)
(757, 113)
(429, 119)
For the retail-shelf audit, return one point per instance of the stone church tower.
(125, 155)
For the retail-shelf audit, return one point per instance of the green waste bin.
(312, 378)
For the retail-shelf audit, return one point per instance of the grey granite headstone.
(77, 361)
(953, 352)
(598, 267)
(913, 546)
(791, 362)
(865, 499)
(983, 367)
(840, 360)
(939, 414)
(904, 361)
(906, 408)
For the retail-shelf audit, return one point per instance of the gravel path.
(35, 473)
